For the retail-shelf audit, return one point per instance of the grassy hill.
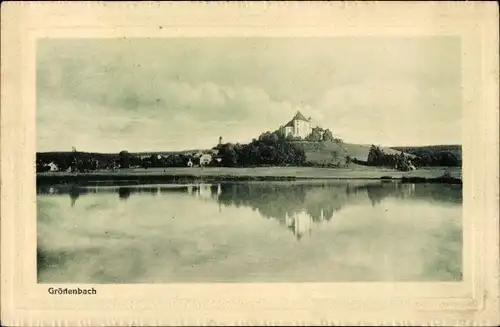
(323, 153)
(360, 151)
(326, 153)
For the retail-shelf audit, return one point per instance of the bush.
(270, 149)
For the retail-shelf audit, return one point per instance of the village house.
(52, 166)
(299, 126)
(205, 159)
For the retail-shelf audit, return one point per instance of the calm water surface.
(250, 232)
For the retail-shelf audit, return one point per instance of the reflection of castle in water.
(299, 223)
(205, 191)
(297, 206)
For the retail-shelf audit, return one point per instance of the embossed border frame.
(475, 301)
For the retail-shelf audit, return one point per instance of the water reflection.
(309, 231)
(295, 205)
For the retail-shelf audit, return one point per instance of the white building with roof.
(205, 159)
(299, 126)
(52, 166)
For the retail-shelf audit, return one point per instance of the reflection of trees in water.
(436, 192)
(297, 206)
(303, 204)
(439, 192)
(124, 192)
(377, 192)
(74, 194)
(278, 200)
(207, 191)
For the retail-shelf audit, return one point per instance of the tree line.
(270, 149)
(400, 161)
(421, 157)
(439, 155)
(86, 162)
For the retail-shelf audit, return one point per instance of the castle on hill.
(299, 126)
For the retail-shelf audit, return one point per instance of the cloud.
(384, 112)
(166, 94)
(185, 116)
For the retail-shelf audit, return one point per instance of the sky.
(169, 94)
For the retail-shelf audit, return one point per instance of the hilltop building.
(299, 126)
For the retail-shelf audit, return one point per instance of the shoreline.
(190, 175)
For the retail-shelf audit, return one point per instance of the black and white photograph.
(272, 163)
(249, 160)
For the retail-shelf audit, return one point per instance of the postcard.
(256, 163)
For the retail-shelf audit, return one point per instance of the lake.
(309, 231)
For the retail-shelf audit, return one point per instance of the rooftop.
(298, 116)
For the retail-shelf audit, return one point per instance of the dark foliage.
(377, 157)
(270, 149)
(437, 155)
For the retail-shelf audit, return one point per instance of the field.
(352, 172)
(317, 153)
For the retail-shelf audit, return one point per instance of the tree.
(375, 156)
(228, 155)
(335, 156)
(268, 149)
(447, 158)
(299, 155)
(348, 160)
(327, 135)
(281, 132)
(316, 135)
(269, 138)
(175, 160)
(154, 161)
(41, 167)
(145, 163)
(124, 159)
(135, 160)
